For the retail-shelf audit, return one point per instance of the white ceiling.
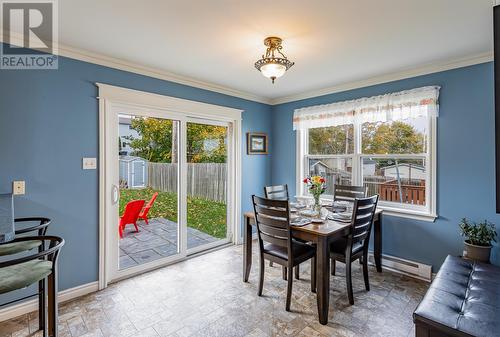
(332, 42)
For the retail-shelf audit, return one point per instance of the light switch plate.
(89, 163)
(18, 187)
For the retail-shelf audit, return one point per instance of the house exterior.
(406, 171)
(126, 131)
(369, 166)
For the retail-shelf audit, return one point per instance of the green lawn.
(205, 215)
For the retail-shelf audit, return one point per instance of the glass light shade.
(271, 70)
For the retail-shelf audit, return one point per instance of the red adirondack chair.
(130, 215)
(144, 213)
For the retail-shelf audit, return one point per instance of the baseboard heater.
(410, 268)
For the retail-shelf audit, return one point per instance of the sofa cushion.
(464, 297)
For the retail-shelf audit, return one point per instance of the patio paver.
(155, 240)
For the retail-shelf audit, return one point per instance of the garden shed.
(133, 172)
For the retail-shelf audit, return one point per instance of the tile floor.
(205, 296)
(155, 240)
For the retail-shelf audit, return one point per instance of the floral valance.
(394, 106)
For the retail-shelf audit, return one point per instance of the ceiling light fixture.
(274, 63)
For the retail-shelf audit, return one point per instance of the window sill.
(409, 214)
(392, 211)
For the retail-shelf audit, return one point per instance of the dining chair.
(277, 192)
(280, 192)
(349, 193)
(355, 245)
(276, 244)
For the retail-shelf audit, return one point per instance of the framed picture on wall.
(257, 143)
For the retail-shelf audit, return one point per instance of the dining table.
(322, 235)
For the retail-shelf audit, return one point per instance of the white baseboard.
(32, 305)
(410, 268)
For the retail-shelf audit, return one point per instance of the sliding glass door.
(169, 182)
(207, 160)
(148, 163)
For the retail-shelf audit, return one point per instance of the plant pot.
(477, 253)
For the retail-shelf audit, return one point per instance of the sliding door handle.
(114, 194)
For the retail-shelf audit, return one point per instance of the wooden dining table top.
(326, 228)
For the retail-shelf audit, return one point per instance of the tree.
(331, 140)
(205, 143)
(377, 138)
(395, 138)
(155, 139)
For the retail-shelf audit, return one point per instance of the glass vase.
(317, 206)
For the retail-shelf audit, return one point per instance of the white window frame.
(427, 212)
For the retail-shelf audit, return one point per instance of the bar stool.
(41, 267)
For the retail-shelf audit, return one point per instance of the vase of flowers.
(478, 239)
(316, 186)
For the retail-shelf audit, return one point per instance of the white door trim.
(112, 97)
(183, 107)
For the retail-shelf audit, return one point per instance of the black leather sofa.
(463, 300)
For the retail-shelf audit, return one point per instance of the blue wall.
(465, 165)
(49, 121)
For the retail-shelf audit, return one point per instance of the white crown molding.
(408, 73)
(117, 63)
(26, 307)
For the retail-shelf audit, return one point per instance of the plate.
(300, 222)
(297, 205)
(344, 215)
(317, 220)
(308, 212)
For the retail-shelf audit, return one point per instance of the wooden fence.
(412, 191)
(204, 180)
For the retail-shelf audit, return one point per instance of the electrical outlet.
(18, 187)
(89, 163)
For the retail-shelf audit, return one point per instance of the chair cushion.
(18, 247)
(463, 298)
(300, 250)
(339, 246)
(22, 275)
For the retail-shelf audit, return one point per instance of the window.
(392, 154)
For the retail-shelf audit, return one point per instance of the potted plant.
(478, 239)
(316, 186)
